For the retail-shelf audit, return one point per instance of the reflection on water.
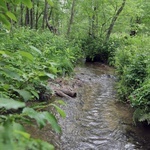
(95, 119)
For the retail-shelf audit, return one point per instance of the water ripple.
(95, 120)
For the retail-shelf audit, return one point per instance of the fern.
(137, 114)
(140, 115)
(145, 117)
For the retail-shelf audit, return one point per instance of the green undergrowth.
(28, 59)
(97, 51)
(132, 62)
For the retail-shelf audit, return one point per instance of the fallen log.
(69, 92)
(61, 94)
(66, 89)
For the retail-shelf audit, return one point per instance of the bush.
(96, 50)
(27, 60)
(132, 61)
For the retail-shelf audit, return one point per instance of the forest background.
(44, 39)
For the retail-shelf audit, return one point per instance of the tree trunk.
(71, 17)
(32, 15)
(27, 17)
(37, 15)
(50, 14)
(94, 18)
(21, 14)
(50, 27)
(90, 32)
(113, 21)
(45, 14)
(8, 7)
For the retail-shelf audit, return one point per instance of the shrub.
(27, 60)
(132, 61)
(96, 50)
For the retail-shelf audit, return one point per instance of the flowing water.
(96, 120)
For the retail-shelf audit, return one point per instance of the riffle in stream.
(96, 120)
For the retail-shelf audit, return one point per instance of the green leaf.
(53, 70)
(5, 21)
(46, 146)
(2, 79)
(6, 86)
(61, 102)
(3, 63)
(11, 73)
(19, 129)
(50, 3)
(35, 94)
(16, 2)
(24, 93)
(11, 15)
(27, 55)
(18, 126)
(28, 3)
(10, 103)
(52, 120)
(50, 75)
(3, 5)
(42, 117)
(43, 77)
(36, 50)
(7, 135)
(24, 134)
(46, 76)
(2, 52)
(59, 110)
(38, 116)
(6, 53)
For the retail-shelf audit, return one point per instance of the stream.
(95, 119)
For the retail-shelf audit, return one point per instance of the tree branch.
(113, 21)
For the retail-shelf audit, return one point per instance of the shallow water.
(96, 120)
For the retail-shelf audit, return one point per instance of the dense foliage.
(41, 39)
(96, 50)
(132, 61)
(28, 59)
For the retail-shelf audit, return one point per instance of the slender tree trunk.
(93, 20)
(21, 14)
(94, 17)
(15, 9)
(114, 20)
(50, 14)
(93, 23)
(71, 17)
(37, 19)
(27, 17)
(32, 15)
(50, 27)
(46, 19)
(45, 14)
(90, 32)
(31, 18)
(37, 15)
(8, 7)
